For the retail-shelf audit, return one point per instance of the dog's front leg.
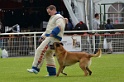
(59, 71)
(62, 71)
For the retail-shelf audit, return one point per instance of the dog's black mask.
(57, 45)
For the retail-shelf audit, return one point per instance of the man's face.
(97, 17)
(50, 12)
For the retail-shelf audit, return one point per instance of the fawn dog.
(66, 58)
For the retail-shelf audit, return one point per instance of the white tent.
(79, 10)
(76, 10)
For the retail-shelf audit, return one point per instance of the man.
(96, 24)
(109, 37)
(54, 33)
(68, 25)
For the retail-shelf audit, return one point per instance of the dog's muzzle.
(51, 47)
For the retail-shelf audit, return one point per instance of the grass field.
(108, 68)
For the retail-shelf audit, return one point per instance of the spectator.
(68, 25)
(81, 26)
(96, 24)
(108, 36)
(109, 25)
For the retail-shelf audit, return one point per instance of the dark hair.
(51, 7)
(108, 21)
(96, 15)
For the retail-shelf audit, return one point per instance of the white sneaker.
(32, 71)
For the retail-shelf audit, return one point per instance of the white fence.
(25, 43)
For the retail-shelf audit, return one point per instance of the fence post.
(35, 45)
(93, 41)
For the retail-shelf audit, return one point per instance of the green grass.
(108, 68)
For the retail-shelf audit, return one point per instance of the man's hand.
(51, 35)
(41, 39)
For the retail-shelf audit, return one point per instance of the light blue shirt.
(96, 24)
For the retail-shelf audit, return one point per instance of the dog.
(66, 58)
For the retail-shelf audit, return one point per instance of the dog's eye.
(57, 45)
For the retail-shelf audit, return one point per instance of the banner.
(72, 43)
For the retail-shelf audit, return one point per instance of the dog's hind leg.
(62, 71)
(84, 69)
(90, 72)
(82, 65)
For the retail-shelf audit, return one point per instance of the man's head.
(108, 21)
(66, 20)
(96, 16)
(51, 10)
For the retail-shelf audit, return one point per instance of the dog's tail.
(98, 54)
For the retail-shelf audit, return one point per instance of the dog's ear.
(57, 44)
(61, 43)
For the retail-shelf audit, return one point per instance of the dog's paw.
(90, 73)
(57, 75)
(64, 74)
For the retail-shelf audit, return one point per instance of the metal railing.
(25, 43)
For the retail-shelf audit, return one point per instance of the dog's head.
(57, 44)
